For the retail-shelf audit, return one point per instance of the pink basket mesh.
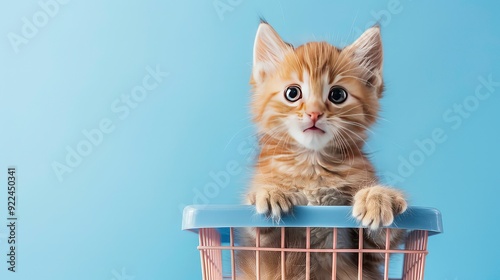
(218, 229)
(211, 252)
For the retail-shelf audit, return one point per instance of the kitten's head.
(316, 96)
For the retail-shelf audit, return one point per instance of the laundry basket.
(217, 227)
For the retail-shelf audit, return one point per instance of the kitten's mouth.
(314, 129)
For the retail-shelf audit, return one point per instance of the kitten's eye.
(293, 93)
(337, 95)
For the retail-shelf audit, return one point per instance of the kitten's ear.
(367, 52)
(268, 51)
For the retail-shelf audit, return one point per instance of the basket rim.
(236, 216)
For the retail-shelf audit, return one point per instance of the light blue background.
(117, 213)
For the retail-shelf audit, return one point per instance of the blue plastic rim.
(227, 216)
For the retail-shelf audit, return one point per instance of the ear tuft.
(367, 52)
(269, 50)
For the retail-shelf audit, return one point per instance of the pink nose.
(315, 116)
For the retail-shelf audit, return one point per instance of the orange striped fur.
(311, 149)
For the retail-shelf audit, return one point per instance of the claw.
(275, 202)
(376, 206)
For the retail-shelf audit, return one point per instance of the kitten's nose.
(315, 116)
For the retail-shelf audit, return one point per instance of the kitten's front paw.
(275, 202)
(376, 206)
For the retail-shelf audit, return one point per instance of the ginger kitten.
(312, 106)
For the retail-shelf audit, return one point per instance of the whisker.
(343, 146)
(369, 115)
(234, 135)
(352, 133)
(349, 150)
(356, 124)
